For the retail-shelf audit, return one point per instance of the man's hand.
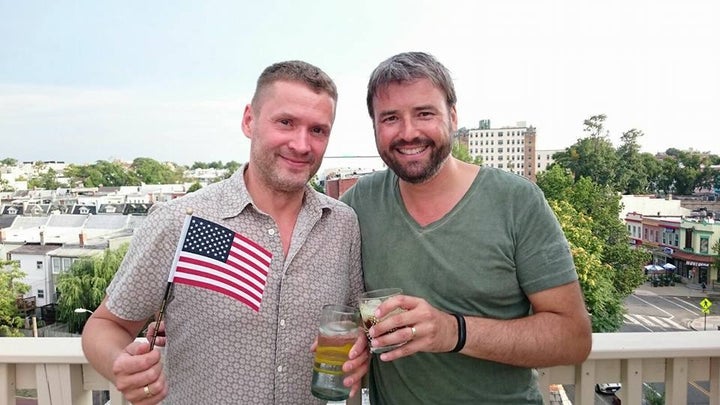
(423, 327)
(357, 365)
(139, 374)
(161, 340)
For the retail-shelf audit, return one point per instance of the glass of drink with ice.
(339, 329)
(369, 302)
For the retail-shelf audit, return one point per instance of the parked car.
(608, 389)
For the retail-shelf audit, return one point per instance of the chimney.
(81, 237)
(42, 238)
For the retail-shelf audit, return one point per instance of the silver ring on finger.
(413, 331)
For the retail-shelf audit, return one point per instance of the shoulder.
(369, 186)
(500, 181)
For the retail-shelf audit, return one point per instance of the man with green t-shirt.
(490, 289)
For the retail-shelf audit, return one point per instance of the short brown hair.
(296, 71)
(409, 66)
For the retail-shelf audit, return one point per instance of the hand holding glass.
(338, 332)
(369, 302)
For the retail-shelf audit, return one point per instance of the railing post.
(7, 383)
(715, 381)
(585, 383)
(61, 384)
(544, 383)
(676, 379)
(631, 377)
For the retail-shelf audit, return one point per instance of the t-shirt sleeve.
(542, 253)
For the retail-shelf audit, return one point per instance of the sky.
(82, 81)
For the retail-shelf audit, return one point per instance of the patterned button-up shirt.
(220, 351)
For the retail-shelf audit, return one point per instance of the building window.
(67, 262)
(56, 266)
(704, 245)
(688, 239)
(39, 265)
(41, 293)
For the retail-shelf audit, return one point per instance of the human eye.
(389, 119)
(319, 131)
(285, 122)
(426, 114)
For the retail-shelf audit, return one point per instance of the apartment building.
(511, 148)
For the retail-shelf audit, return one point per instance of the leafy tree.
(314, 184)
(46, 181)
(461, 152)
(194, 187)
(8, 162)
(603, 302)
(10, 288)
(593, 157)
(83, 286)
(609, 269)
(198, 165)
(150, 171)
(5, 185)
(232, 166)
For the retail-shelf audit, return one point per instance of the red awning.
(679, 254)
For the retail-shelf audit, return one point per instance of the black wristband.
(461, 333)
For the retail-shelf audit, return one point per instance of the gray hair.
(296, 71)
(406, 67)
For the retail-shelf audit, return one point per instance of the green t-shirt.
(500, 243)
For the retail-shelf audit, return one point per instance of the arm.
(558, 331)
(109, 345)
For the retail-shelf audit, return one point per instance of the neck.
(431, 200)
(276, 203)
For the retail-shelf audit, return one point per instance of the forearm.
(102, 342)
(540, 340)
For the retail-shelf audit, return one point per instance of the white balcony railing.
(58, 370)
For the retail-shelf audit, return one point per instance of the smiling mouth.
(412, 151)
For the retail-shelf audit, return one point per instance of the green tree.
(5, 185)
(194, 187)
(8, 162)
(46, 181)
(314, 184)
(593, 157)
(150, 171)
(609, 269)
(461, 152)
(83, 286)
(10, 289)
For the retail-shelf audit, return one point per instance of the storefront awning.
(693, 259)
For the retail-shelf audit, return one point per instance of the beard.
(418, 171)
(275, 177)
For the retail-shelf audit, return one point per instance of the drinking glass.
(338, 332)
(369, 302)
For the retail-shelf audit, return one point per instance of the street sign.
(705, 304)
(705, 311)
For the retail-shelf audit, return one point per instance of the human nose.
(408, 130)
(301, 141)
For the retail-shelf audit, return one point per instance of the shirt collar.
(234, 196)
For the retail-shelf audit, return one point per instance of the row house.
(685, 242)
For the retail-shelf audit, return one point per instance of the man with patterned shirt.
(224, 350)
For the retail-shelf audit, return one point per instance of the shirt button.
(271, 232)
(279, 369)
(282, 322)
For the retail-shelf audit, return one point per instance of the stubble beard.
(278, 180)
(417, 172)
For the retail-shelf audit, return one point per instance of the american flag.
(219, 259)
